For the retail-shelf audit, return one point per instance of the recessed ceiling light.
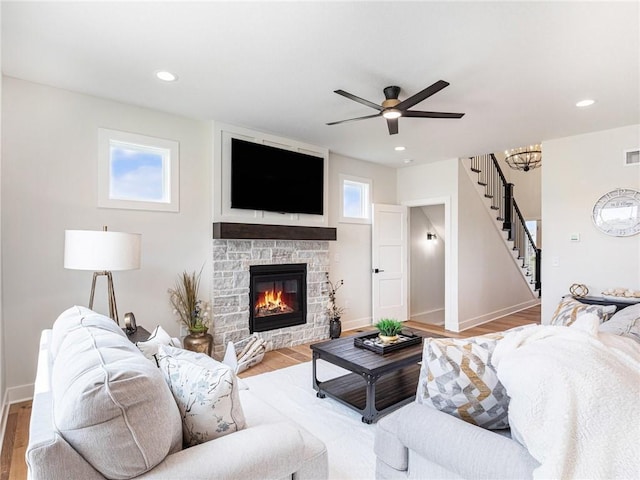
(408, 160)
(399, 149)
(585, 103)
(166, 76)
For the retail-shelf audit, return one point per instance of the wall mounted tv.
(275, 180)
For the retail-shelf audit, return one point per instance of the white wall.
(577, 172)
(49, 183)
(426, 267)
(351, 253)
(2, 356)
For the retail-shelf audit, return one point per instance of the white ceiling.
(515, 68)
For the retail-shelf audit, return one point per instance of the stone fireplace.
(233, 302)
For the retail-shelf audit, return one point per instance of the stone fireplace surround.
(230, 295)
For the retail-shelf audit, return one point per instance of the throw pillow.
(108, 399)
(457, 377)
(569, 309)
(150, 347)
(80, 318)
(626, 322)
(206, 392)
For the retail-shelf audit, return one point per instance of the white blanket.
(575, 398)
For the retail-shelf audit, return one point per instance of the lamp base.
(113, 309)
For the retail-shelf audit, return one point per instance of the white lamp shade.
(101, 250)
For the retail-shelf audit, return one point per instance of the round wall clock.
(617, 212)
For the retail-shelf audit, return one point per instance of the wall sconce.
(431, 236)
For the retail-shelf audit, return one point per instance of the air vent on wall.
(632, 157)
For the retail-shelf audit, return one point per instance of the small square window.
(137, 172)
(355, 199)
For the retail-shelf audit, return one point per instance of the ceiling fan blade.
(392, 123)
(415, 113)
(358, 99)
(420, 96)
(354, 119)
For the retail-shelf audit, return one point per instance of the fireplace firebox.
(277, 296)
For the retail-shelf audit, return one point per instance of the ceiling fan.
(392, 108)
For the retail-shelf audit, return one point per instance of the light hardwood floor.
(12, 464)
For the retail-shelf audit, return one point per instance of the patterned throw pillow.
(457, 377)
(569, 309)
(206, 392)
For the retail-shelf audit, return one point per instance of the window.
(137, 172)
(355, 199)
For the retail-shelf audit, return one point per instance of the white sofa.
(419, 441)
(103, 410)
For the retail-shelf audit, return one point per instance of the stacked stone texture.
(230, 294)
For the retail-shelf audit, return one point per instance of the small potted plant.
(389, 329)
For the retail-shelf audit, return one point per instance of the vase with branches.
(192, 312)
(333, 310)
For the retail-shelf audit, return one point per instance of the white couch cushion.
(67, 322)
(110, 403)
(206, 392)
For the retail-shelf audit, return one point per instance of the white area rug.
(349, 441)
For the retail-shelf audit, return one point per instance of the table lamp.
(102, 252)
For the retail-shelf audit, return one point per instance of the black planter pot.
(335, 327)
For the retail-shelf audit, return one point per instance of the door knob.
(377, 270)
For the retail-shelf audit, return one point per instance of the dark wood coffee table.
(378, 383)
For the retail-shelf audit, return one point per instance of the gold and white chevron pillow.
(457, 377)
(569, 309)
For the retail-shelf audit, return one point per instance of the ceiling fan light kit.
(391, 113)
(392, 108)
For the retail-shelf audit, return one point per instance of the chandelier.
(525, 158)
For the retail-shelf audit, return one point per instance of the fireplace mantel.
(256, 231)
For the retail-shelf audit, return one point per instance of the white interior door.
(389, 262)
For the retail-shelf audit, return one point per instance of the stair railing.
(500, 193)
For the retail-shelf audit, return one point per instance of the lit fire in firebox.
(271, 303)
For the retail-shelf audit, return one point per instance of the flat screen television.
(275, 180)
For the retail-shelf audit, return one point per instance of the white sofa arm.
(271, 451)
(454, 444)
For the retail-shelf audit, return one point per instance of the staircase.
(499, 196)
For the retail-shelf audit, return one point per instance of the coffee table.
(378, 383)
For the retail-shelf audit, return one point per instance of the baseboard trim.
(432, 317)
(489, 317)
(13, 395)
(20, 393)
(355, 324)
